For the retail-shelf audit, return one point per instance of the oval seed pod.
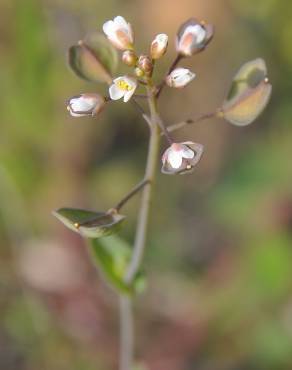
(249, 94)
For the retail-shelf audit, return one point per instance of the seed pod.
(249, 94)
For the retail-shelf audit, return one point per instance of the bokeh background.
(219, 253)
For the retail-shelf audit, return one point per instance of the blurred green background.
(219, 253)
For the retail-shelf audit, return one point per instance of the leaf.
(112, 255)
(249, 94)
(93, 59)
(88, 223)
(250, 106)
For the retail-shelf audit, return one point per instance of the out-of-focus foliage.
(218, 258)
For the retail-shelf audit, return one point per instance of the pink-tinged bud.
(179, 78)
(86, 105)
(123, 87)
(181, 158)
(193, 36)
(129, 58)
(159, 46)
(120, 33)
(145, 64)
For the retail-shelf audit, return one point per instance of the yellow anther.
(123, 85)
(188, 167)
(76, 224)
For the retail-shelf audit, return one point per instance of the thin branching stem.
(187, 122)
(171, 68)
(128, 196)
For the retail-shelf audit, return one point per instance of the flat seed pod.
(249, 94)
(89, 224)
(93, 59)
(249, 76)
(250, 105)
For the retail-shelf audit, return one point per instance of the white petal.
(129, 94)
(121, 22)
(82, 104)
(175, 158)
(199, 32)
(115, 92)
(109, 28)
(187, 153)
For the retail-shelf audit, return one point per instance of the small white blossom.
(159, 46)
(180, 77)
(120, 33)
(85, 105)
(123, 87)
(181, 157)
(192, 37)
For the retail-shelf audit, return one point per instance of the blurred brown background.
(219, 253)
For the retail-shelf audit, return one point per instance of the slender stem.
(126, 313)
(179, 125)
(138, 106)
(171, 68)
(147, 192)
(126, 333)
(133, 192)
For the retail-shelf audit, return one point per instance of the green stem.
(147, 191)
(126, 333)
(126, 309)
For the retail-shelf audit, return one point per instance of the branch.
(171, 68)
(182, 124)
(133, 192)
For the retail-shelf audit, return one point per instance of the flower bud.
(138, 72)
(193, 36)
(181, 158)
(179, 78)
(86, 105)
(120, 33)
(159, 46)
(123, 87)
(145, 64)
(129, 58)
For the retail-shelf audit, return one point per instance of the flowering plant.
(95, 59)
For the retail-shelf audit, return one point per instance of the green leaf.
(249, 94)
(93, 59)
(89, 224)
(112, 255)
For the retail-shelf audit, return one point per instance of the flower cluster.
(192, 37)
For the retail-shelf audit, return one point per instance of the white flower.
(192, 37)
(123, 87)
(159, 46)
(175, 154)
(180, 77)
(119, 32)
(181, 157)
(85, 105)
